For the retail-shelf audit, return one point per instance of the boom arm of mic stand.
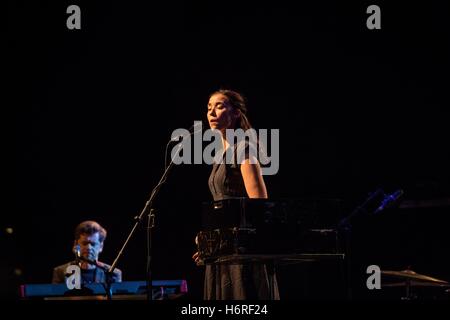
(346, 223)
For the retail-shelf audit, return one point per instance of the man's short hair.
(90, 227)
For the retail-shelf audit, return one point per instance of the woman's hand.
(196, 258)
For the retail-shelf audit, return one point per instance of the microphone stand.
(345, 225)
(151, 223)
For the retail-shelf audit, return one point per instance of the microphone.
(77, 251)
(389, 201)
(191, 132)
(196, 127)
(79, 257)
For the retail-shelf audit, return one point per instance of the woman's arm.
(253, 179)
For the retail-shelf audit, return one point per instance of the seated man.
(88, 244)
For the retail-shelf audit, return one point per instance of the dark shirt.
(88, 276)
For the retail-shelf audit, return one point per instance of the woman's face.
(221, 115)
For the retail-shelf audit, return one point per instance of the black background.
(92, 110)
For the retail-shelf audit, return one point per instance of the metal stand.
(151, 223)
(345, 228)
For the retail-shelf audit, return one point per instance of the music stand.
(273, 260)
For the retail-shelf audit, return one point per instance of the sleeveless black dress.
(235, 281)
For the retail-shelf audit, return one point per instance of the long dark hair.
(237, 101)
